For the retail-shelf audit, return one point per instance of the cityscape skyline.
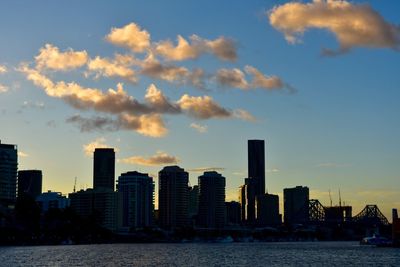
(325, 105)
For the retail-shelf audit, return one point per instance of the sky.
(189, 82)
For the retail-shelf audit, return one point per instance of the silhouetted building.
(267, 207)
(30, 183)
(248, 201)
(338, 214)
(256, 164)
(101, 204)
(242, 201)
(296, 205)
(8, 174)
(104, 168)
(395, 228)
(137, 191)
(193, 203)
(173, 197)
(232, 213)
(211, 200)
(52, 200)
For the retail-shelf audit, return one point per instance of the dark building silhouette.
(232, 213)
(104, 169)
(296, 205)
(193, 203)
(211, 200)
(255, 183)
(256, 164)
(102, 204)
(267, 207)
(52, 200)
(137, 191)
(8, 174)
(173, 197)
(338, 214)
(30, 183)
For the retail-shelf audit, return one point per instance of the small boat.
(375, 240)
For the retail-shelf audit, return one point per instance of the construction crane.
(75, 185)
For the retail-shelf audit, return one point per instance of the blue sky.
(339, 129)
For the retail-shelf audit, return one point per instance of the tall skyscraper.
(296, 204)
(137, 191)
(212, 208)
(256, 164)
(8, 173)
(193, 207)
(104, 169)
(267, 207)
(173, 197)
(30, 183)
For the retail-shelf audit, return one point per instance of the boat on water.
(375, 240)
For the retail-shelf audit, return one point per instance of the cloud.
(202, 107)
(198, 127)
(354, 25)
(130, 36)
(273, 170)
(30, 104)
(150, 125)
(3, 88)
(262, 81)
(160, 158)
(3, 69)
(89, 148)
(221, 47)
(22, 154)
(232, 78)
(244, 115)
(50, 57)
(118, 67)
(237, 79)
(206, 169)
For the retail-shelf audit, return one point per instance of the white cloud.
(130, 36)
(3, 88)
(118, 67)
(22, 154)
(89, 148)
(3, 69)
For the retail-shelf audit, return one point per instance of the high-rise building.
(193, 207)
(249, 191)
(232, 213)
(30, 183)
(267, 207)
(173, 197)
(212, 210)
(103, 205)
(52, 200)
(137, 190)
(256, 164)
(104, 169)
(8, 174)
(296, 205)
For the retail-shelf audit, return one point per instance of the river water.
(203, 254)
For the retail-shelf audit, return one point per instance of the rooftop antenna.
(330, 197)
(75, 184)
(340, 199)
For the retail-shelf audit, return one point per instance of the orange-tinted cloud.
(160, 158)
(50, 57)
(130, 36)
(118, 67)
(354, 25)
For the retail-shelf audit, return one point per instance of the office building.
(193, 203)
(104, 169)
(248, 201)
(212, 210)
(173, 197)
(52, 200)
(30, 183)
(137, 192)
(232, 213)
(104, 205)
(8, 174)
(267, 207)
(296, 205)
(256, 164)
